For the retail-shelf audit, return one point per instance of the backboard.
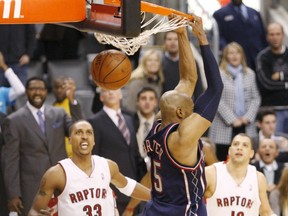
(121, 19)
(113, 17)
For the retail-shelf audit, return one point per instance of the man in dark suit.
(266, 122)
(242, 24)
(34, 141)
(268, 151)
(113, 144)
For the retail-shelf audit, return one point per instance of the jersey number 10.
(233, 213)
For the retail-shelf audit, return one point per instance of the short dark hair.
(33, 79)
(244, 135)
(146, 89)
(74, 123)
(264, 111)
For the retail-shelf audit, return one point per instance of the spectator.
(115, 139)
(279, 197)
(170, 61)
(9, 94)
(266, 122)
(17, 44)
(272, 75)
(239, 102)
(147, 103)
(148, 74)
(58, 42)
(268, 151)
(64, 92)
(34, 141)
(242, 24)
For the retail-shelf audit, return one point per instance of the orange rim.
(153, 8)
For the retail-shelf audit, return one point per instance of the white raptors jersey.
(231, 199)
(86, 195)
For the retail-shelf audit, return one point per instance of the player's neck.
(83, 163)
(237, 171)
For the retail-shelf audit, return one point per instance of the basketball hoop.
(132, 45)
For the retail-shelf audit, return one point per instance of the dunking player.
(237, 188)
(82, 182)
(177, 170)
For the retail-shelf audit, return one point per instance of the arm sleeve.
(17, 88)
(207, 104)
(76, 112)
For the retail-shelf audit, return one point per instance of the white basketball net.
(132, 45)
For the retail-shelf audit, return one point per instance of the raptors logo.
(7, 9)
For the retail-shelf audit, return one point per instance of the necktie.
(146, 128)
(41, 121)
(241, 13)
(123, 128)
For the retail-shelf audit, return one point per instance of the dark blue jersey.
(176, 189)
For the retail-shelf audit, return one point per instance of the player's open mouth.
(84, 145)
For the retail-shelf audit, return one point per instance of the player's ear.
(179, 113)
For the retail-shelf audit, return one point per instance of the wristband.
(129, 188)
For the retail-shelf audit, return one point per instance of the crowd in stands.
(254, 71)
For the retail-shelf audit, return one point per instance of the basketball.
(111, 69)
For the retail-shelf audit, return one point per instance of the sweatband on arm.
(129, 188)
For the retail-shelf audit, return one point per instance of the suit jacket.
(250, 34)
(277, 173)
(3, 198)
(110, 143)
(28, 153)
(221, 129)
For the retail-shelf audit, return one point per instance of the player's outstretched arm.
(265, 209)
(127, 186)
(193, 127)
(53, 179)
(187, 65)
(133, 203)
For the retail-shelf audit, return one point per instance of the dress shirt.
(269, 171)
(34, 111)
(112, 114)
(140, 132)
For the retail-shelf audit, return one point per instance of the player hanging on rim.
(177, 169)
